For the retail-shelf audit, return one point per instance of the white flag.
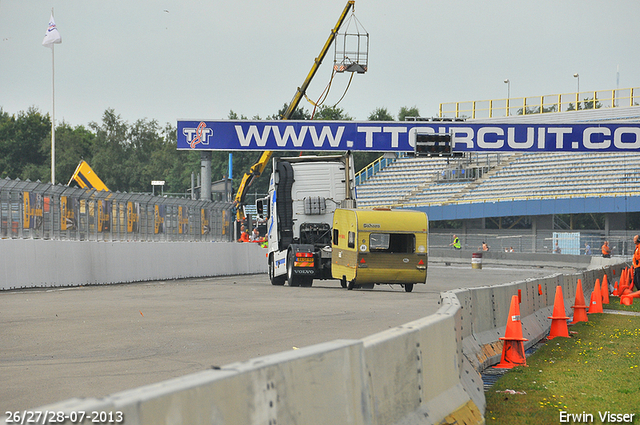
(52, 36)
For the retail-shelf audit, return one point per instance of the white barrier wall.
(27, 263)
(423, 372)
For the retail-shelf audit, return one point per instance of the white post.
(53, 117)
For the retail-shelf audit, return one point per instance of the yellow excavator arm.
(257, 168)
(86, 178)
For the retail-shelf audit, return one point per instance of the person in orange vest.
(244, 236)
(606, 250)
(636, 263)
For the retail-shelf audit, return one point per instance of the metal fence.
(491, 108)
(43, 211)
(544, 241)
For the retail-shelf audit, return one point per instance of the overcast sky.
(182, 59)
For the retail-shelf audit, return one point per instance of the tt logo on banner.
(198, 135)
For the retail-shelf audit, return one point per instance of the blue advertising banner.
(379, 136)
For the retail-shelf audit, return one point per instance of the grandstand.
(426, 181)
(537, 185)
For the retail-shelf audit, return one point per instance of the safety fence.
(35, 210)
(541, 104)
(572, 242)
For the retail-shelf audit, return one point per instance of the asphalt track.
(92, 341)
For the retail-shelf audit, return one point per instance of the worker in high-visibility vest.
(636, 263)
(456, 242)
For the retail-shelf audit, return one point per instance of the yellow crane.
(257, 168)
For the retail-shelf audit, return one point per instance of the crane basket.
(351, 47)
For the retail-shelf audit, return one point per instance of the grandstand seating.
(414, 181)
(410, 181)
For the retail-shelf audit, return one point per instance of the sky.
(168, 60)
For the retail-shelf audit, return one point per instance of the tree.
(332, 113)
(72, 146)
(298, 114)
(380, 114)
(588, 103)
(25, 139)
(536, 110)
(109, 154)
(408, 112)
(234, 116)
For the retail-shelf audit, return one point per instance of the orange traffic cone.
(513, 348)
(596, 299)
(559, 317)
(605, 290)
(628, 299)
(579, 308)
(615, 289)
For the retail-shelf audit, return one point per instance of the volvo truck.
(303, 194)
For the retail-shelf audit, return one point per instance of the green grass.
(595, 370)
(614, 304)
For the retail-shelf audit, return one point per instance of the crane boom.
(257, 168)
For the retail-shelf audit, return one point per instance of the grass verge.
(594, 371)
(614, 304)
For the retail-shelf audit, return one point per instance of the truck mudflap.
(300, 265)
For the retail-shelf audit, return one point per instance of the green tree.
(380, 114)
(298, 114)
(72, 146)
(234, 116)
(588, 103)
(408, 112)
(109, 151)
(333, 113)
(25, 139)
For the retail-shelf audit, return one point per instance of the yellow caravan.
(379, 246)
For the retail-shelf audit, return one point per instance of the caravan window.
(351, 241)
(392, 242)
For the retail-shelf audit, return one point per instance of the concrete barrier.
(29, 263)
(423, 372)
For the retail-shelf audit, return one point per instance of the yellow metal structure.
(541, 104)
(379, 246)
(257, 168)
(87, 178)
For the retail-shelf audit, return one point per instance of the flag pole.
(53, 115)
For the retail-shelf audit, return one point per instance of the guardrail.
(372, 168)
(541, 104)
(426, 371)
(35, 210)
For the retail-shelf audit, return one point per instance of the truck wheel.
(351, 284)
(368, 286)
(306, 282)
(343, 282)
(408, 287)
(275, 280)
